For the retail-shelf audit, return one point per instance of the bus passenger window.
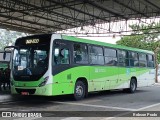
(80, 54)
(142, 60)
(110, 57)
(96, 55)
(121, 58)
(150, 61)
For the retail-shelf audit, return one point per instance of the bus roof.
(71, 38)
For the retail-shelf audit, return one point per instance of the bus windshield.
(30, 62)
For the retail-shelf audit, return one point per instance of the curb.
(156, 84)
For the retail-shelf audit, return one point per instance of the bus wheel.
(133, 86)
(79, 91)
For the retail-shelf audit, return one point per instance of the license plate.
(24, 93)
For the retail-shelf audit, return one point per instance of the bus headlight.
(44, 81)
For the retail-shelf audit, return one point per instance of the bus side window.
(133, 59)
(142, 60)
(121, 58)
(150, 61)
(96, 55)
(80, 54)
(110, 57)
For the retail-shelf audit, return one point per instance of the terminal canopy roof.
(43, 16)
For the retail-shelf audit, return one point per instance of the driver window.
(61, 56)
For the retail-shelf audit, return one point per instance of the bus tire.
(79, 90)
(133, 85)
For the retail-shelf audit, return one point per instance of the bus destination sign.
(32, 41)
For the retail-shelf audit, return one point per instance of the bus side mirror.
(4, 55)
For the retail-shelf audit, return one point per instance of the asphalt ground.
(143, 104)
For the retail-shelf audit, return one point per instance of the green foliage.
(8, 37)
(147, 38)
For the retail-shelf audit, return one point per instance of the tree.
(143, 37)
(8, 37)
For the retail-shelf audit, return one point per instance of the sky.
(104, 39)
(112, 31)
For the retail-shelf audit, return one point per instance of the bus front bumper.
(44, 91)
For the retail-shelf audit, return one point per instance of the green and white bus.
(55, 64)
